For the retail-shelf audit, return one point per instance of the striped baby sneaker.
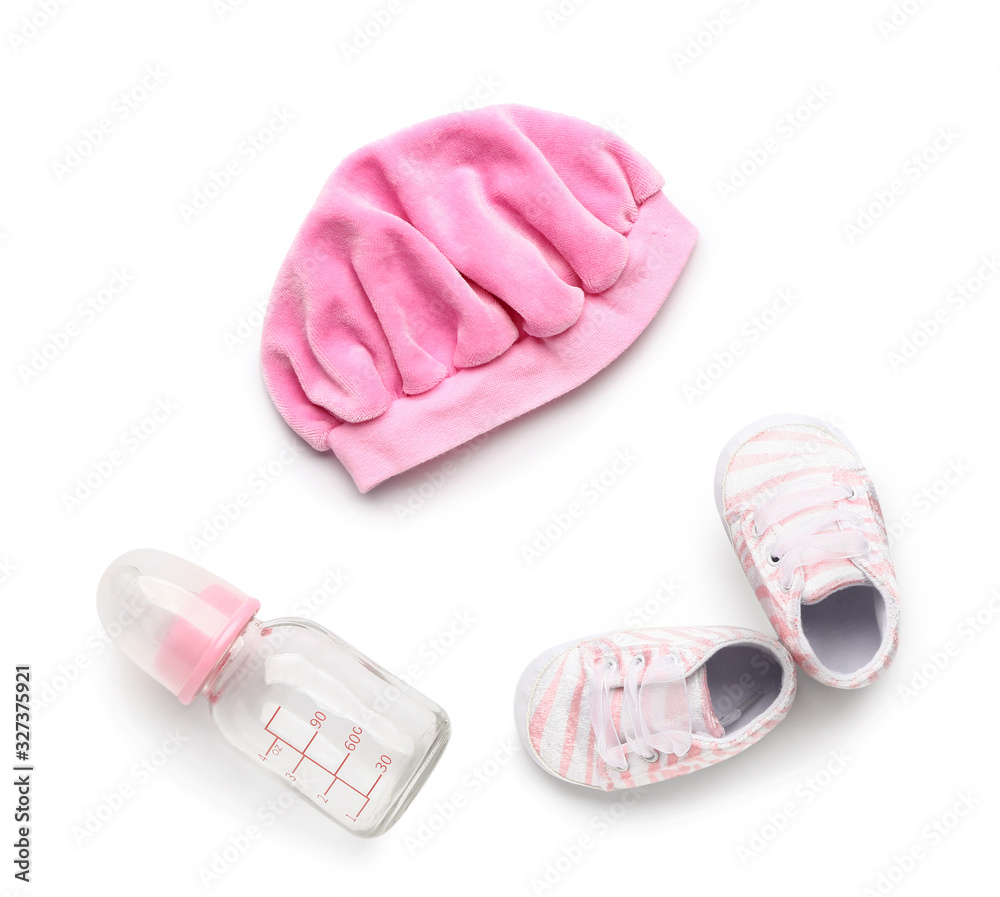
(631, 708)
(802, 515)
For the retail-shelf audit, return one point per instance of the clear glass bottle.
(352, 739)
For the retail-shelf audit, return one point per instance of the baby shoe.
(630, 708)
(801, 512)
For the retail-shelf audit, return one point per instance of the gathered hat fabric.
(460, 273)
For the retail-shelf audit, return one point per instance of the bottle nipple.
(171, 618)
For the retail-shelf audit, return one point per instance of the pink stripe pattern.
(556, 717)
(758, 468)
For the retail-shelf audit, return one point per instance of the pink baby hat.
(459, 273)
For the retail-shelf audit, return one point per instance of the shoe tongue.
(826, 577)
(703, 719)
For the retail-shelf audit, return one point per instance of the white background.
(169, 336)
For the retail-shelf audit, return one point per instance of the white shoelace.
(654, 711)
(807, 543)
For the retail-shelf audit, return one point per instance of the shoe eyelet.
(773, 560)
(652, 758)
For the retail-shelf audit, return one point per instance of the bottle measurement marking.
(334, 774)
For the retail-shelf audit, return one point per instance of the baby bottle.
(352, 739)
